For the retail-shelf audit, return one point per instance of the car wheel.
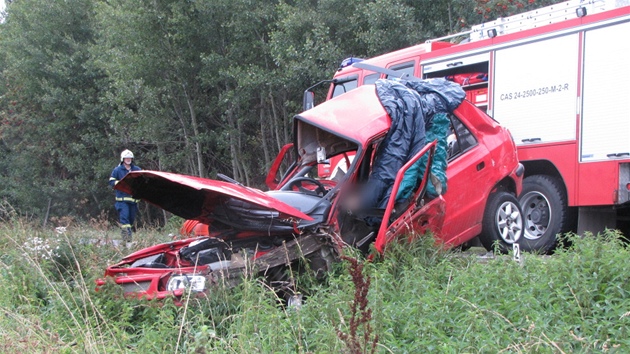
(502, 223)
(545, 213)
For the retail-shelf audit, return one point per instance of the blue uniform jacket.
(117, 174)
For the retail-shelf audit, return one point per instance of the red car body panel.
(357, 116)
(195, 198)
(149, 283)
(472, 176)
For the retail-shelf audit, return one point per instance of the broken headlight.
(186, 281)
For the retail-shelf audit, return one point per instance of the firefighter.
(126, 205)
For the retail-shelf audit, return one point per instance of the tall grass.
(418, 298)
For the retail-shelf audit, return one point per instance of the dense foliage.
(418, 299)
(194, 87)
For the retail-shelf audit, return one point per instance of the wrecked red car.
(416, 158)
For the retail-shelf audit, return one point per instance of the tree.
(195, 87)
(53, 133)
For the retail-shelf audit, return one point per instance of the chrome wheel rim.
(509, 222)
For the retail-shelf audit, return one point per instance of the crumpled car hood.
(196, 198)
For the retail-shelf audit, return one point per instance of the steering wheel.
(297, 182)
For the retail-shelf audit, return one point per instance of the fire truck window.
(481, 67)
(345, 87)
(406, 68)
(460, 138)
(371, 79)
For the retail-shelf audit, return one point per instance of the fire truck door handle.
(531, 140)
(481, 165)
(454, 64)
(617, 155)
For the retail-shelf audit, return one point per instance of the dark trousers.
(127, 216)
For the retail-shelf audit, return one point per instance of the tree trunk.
(242, 166)
(201, 172)
(274, 122)
(263, 138)
(232, 138)
(180, 116)
(284, 120)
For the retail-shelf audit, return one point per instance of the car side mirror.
(308, 101)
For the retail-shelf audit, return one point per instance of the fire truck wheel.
(545, 213)
(502, 223)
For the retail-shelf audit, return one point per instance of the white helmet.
(126, 155)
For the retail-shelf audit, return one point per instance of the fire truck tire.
(502, 223)
(545, 213)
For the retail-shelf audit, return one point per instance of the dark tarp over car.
(412, 107)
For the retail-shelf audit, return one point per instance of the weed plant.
(418, 298)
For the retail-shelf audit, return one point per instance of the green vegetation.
(417, 299)
(193, 87)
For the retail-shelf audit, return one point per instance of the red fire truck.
(557, 77)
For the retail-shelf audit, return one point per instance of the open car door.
(281, 166)
(418, 216)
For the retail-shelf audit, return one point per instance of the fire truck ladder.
(536, 18)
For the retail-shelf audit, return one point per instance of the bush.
(417, 298)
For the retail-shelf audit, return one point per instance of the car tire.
(545, 213)
(502, 223)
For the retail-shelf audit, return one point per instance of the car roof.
(357, 116)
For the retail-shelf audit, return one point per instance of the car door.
(415, 218)
(468, 169)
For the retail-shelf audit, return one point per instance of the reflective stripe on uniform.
(125, 226)
(127, 199)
